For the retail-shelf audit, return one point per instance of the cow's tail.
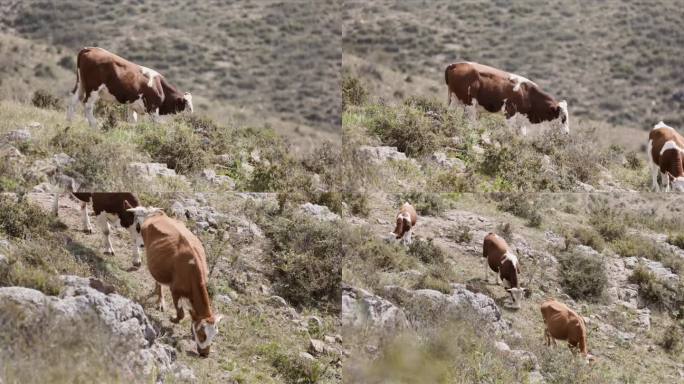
(78, 69)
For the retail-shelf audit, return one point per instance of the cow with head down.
(405, 221)
(498, 256)
(176, 258)
(102, 74)
(495, 90)
(562, 323)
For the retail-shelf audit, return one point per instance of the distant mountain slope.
(614, 61)
(269, 58)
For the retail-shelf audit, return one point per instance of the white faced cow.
(495, 90)
(110, 209)
(405, 220)
(504, 263)
(665, 149)
(175, 258)
(102, 74)
(562, 323)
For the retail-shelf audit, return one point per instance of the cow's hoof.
(88, 231)
(109, 252)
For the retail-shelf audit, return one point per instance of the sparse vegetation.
(46, 100)
(426, 251)
(582, 276)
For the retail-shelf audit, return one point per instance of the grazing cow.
(111, 208)
(406, 219)
(562, 323)
(504, 263)
(475, 84)
(175, 258)
(665, 148)
(102, 74)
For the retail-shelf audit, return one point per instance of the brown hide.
(491, 87)
(175, 257)
(563, 323)
(670, 160)
(112, 203)
(403, 225)
(494, 249)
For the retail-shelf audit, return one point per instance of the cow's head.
(134, 227)
(141, 213)
(516, 295)
(185, 103)
(677, 183)
(204, 331)
(403, 225)
(564, 116)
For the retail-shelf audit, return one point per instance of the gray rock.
(448, 162)
(425, 307)
(10, 153)
(277, 302)
(361, 308)
(17, 136)
(321, 212)
(151, 170)
(305, 356)
(62, 159)
(184, 374)
(380, 154)
(316, 347)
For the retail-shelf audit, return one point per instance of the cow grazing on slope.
(110, 209)
(102, 74)
(175, 258)
(505, 264)
(495, 90)
(665, 149)
(405, 221)
(562, 323)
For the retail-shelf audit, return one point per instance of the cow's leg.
(137, 261)
(665, 182)
(472, 113)
(160, 296)
(180, 313)
(547, 337)
(154, 116)
(654, 177)
(90, 106)
(407, 238)
(132, 115)
(85, 218)
(103, 223)
(486, 269)
(448, 97)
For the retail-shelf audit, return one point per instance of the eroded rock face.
(361, 308)
(381, 154)
(321, 212)
(113, 325)
(425, 307)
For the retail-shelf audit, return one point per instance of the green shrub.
(437, 277)
(428, 204)
(426, 251)
(590, 237)
(582, 276)
(293, 368)
(657, 292)
(306, 258)
(521, 206)
(353, 92)
(676, 240)
(672, 340)
(608, 223)
(426, 104)
(406, 128)
(176, 146)
(46, 100)
(24, 220)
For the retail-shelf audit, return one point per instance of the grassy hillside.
(587, 250)
(259, 61)
(249, 244)
(614, 61)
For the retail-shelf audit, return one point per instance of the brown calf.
(562, 323)
(406, 219)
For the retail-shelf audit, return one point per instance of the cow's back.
(494, 248)
(408, 208)
(557, 317)
(658, 136)
(171, 248)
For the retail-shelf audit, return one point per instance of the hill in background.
(614, 61)
(259, 62)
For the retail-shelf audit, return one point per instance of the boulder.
(448, 162)
(361, 308)
(380, 154)
(151, 170)
(320, 212)
(17, 136)
(127, 336)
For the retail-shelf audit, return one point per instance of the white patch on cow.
(655, 169)
(662, 125)
(518, 80)
(512, 257)
(188, 99)
(150, 74)
(564, 112)
(670, 144)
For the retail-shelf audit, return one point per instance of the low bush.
(673, 340)
(293, 368)
(406, 128)
(426, 251)
(177, 146)
(658, 293)
(521, 206)
(582, 276)
(353, 92)
(461, 234)
(676, 240)
(607, 222)
(24, 220)
(46, 100)
(588, 236)
(437, 277)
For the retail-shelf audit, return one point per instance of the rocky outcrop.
(125, 334)
(360, 308)
(380, 154)
(320, 212)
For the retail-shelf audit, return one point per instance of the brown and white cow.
(102, 74)
(563, 323)
(175, 258)
(665, 149)
(495, 90)
(405, 221)
(111, 209)
(504, 263)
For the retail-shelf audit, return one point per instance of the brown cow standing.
(562, 323)
(665, 149)
(406, 219)
(495, 90)
(504, 263)
(175, 258)
(100, 73)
